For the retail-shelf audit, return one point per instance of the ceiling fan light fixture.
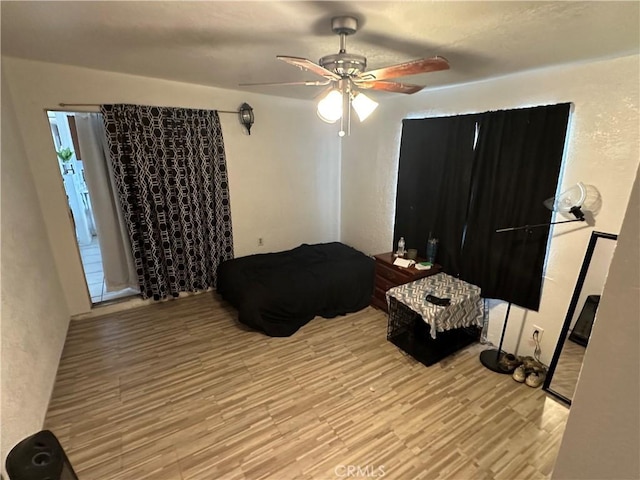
(347, 72)
(363, 106)
(330, 107)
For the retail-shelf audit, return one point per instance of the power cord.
(538, 350)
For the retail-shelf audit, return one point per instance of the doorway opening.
(79, 198)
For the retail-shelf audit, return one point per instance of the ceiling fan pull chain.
(346, 108)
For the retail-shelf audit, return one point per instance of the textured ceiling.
(226, 43)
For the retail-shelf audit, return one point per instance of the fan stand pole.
(528, 227)
(491, 358)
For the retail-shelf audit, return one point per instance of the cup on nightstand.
(432, 250)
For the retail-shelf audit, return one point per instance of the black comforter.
(277, 293)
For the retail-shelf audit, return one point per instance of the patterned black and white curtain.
(170, 172)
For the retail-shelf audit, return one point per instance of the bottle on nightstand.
(401, 251)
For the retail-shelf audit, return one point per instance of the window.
(461, 178)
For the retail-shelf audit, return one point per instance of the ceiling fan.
(344, 74)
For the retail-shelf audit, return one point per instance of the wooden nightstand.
(388, 275)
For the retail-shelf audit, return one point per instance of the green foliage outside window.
(65, 154)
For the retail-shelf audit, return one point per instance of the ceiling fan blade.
(308, 83)
(414, 67)
(396, 87)
(322, 93)
(305, 64)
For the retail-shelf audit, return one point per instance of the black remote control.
(441, 302)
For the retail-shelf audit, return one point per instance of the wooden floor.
(179, 391)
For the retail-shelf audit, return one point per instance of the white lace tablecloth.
(466, 308)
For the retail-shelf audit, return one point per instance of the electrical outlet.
(260, 242)
(534, 329)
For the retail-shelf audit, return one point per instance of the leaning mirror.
(567, 359)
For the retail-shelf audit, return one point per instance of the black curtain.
(170, 172)
(434, 175)
(516, 167)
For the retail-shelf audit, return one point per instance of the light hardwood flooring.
(180, 391)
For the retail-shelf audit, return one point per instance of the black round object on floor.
(490, 359)
(39, 457)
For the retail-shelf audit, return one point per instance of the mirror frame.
(572, 308)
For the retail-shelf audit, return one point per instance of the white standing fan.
(570, 201)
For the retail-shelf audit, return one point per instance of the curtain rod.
(99, 105)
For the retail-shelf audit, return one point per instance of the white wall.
(34, 312)
(602, 438)
(283, 178)
(602, 150)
